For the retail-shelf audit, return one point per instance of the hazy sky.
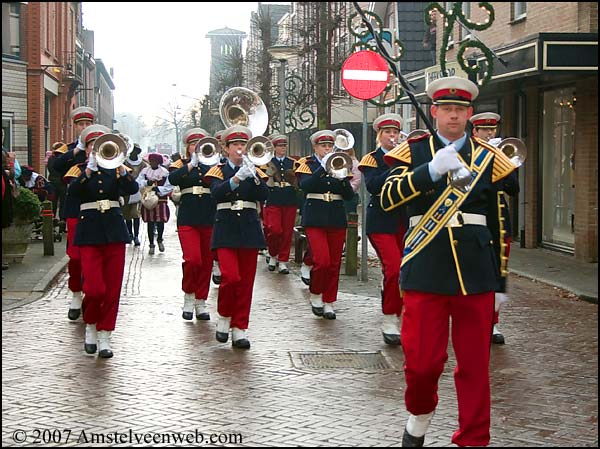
(152, 46)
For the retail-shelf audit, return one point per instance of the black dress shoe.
(74, 314)
(271, 267)
(409, 441)
(329, 315)
(284, 271)
(498, 339)
(222, 337)
(4, 266)
(203, 316)
(105, 354)
(216, 279)
(242, 343)
(392, 339)
(136, 241)
(187, 315)
(317, 310)
(90, 348)
(267, 258)
(305, 280)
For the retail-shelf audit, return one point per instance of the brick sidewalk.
(170, 375)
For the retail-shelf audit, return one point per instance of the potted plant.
(16, 238)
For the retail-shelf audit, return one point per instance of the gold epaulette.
(176, 164)
(400, 153)
(299, 162)
(261, 173)
(502, 164)
(74, 172)
(304, 168)
(61, 148)
(368, 161)
(215, 172)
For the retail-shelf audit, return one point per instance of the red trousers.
(103, 267)
(507, 241)
(238, 269)
(197, 259)
(425, 327)
(326, 245)
(389, 248)
(279, 227)
(75, 279)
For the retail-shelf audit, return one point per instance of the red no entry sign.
(365, 74)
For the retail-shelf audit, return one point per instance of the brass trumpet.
(110, 150)
(514, 149)
(336, 163)
(207, 149)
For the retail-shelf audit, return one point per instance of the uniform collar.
(457, 143)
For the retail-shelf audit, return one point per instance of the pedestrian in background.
(155, 179)
(132, 203)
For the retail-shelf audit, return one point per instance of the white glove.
(92, 163)
(495, 141)
(342, 173)
(194, 160)
(446, 160)
(326, 158)
(243, 173)
(80, 146)
(500, 298)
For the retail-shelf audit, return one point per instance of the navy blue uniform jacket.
(95, 227)
(236, 228)
(194, 210)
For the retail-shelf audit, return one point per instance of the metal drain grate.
(333, 360)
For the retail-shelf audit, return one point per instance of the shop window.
(11, 30)
(558, 181)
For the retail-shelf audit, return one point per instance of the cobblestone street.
(169, 375)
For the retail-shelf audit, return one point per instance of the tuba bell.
(110, 150)
(344, 140)
(416, 133)
(241, 106)
(514, 149)
(208, 149)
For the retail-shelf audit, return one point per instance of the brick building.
(547, 95)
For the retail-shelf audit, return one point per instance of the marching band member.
(75, 154)
(132, 203)
(101, 236)
(485, 126)
(236, 187)
(450, 265)
(279, 213)
(216, 274)
(385, 229)
(324, 219)
(155, 177)
(194, 226)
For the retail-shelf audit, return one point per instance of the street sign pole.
(364, 269)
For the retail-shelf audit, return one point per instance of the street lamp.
(282, 53)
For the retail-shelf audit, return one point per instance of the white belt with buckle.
(324, 196)
(196, 190)
(458, 219)
(101, 205)
(237, 205)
